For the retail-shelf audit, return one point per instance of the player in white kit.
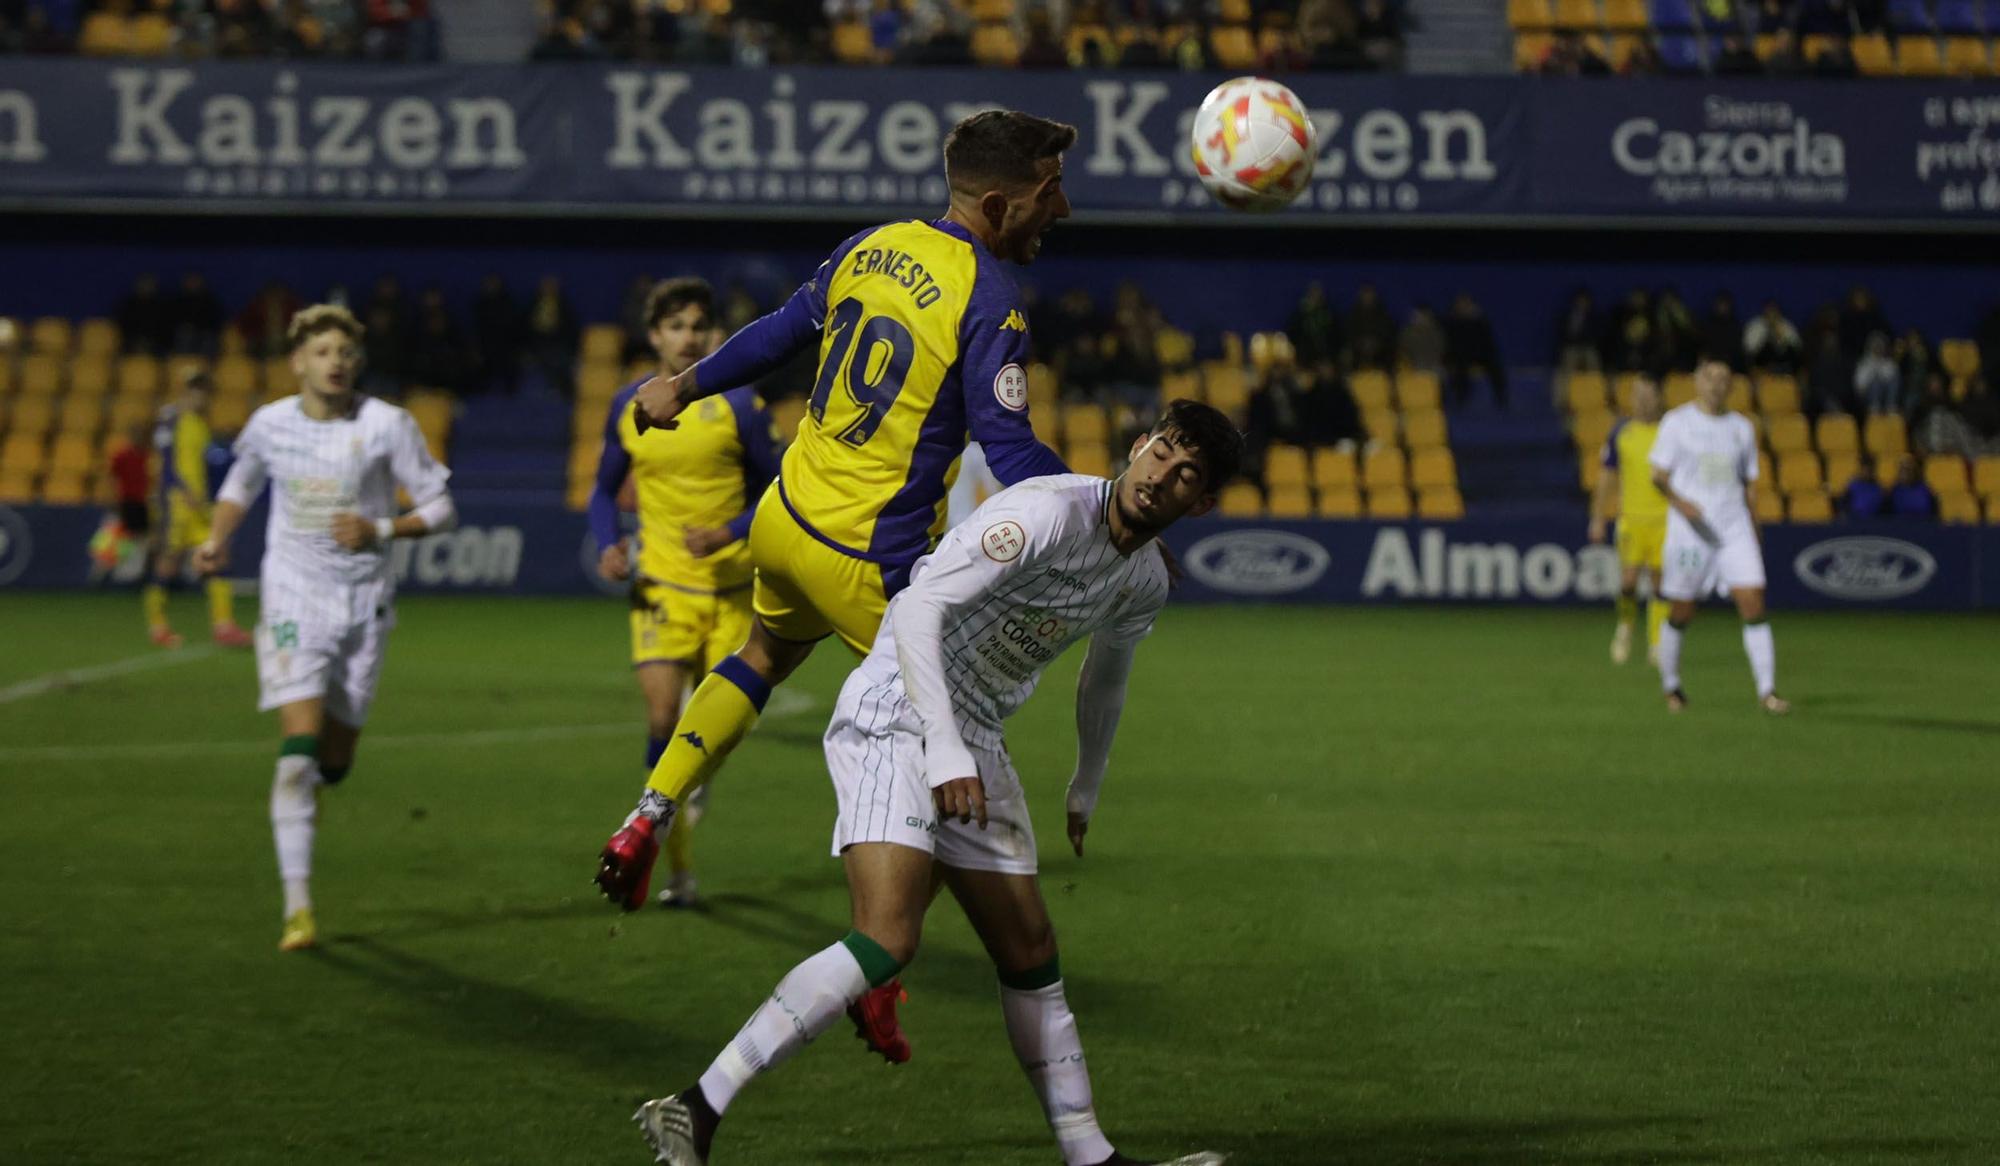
(1705, 463)
(326, 600)
(923, 779)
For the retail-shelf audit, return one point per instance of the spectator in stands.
(496, 337)
(1642, 60)
(1629, 342)
(1371, 331)
(1132, 350)
(145, 319)
(568, 32)
(1826, 17)
(385, 347)
(1938, 426)
(1280, 48)
(553, 334)
(1082, 366)
(1771, 343)
(1379, 27)
(940, 34)
(1470, 351)
(1835, 60)
(1041, 50)
(1771, 16)
(1981, 410)
(1722, 332)
(1786, 60)
(387, 310)
(1577, 336)
(632, 319)
(1314, 331)
(738, 309)
(1860, 318)
(1291, 406)
(265, 320)
(400, 30)
(437, 353)
(1422, 344)
(1863, 496)
(1569, 55)
(1676, 339)
(42, 35)
(1911, 497)
(1913, 365)
(1878, 382)
(197, 316)
(1987, 338)
(1143, 51)
(1737, 58)
(1074, 315)
(1829, 381)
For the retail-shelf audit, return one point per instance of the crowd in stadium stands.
(376, 29)
(1137, 34)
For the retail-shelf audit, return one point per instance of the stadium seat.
(65, 488)
(1626, 15)
(31, 417)
(81, 415)
(1530, 15)
(1673, 15)
(1591, 432)
(1738, 400)
(1384, 465)
(1918, 56)
(97, 337)
(1090, 458)
(41, 376)
(1370, 388)
(1285, 466)
(1959, 357)
(1382, 425)
(139, 374)
(129, 410)
(603, 342)
(1872, 55)
(1908, 16)
(51, 335)
(1581, 15)
(1945, 473)
(1047, 424)
(180, 368)
(74, 453)
(853, 44)
(1810, 507)
(152, 35)
(1041, 385)
(1788, 433)
(1589, 468)
(1841, 468)
(229, 413)
(1223, 387)
(1433, 467)
(236, 374)
(1391, 502)
(1289, 502)
(1986, 476)
(598, 380)
(1799, 470)
(1241, 500)
(994, 45)
(1770, 506)
(23, 453)
(1679, 389)
(1344, 502)
(1417, 390)
(993, 10)
(1887, 435)
(1440, 504)
(1333, 469)
(1958, 507)
(90, 376)
(1837, 433)
(1585, 392)
(1424, 427)
(1966, 56)
(1777, 393)
(1530, 49)
(1960, 18)
(1232, 47)
(1085, 424)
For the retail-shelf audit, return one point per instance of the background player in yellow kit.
(182, 438)
(1641, 511)
(696, 487)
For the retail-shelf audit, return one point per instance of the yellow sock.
(154, 600)
(1628, 610)
(680, 844)
(722, 710)
(221, 602)
(1656, 614)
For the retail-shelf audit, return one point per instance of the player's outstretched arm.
(240, 487)
(614, 464)
(212, 556)
(1100, 701)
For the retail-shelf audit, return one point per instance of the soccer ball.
(1253, 144)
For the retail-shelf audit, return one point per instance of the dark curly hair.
(1216, 443)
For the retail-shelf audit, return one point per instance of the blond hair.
(310, 322)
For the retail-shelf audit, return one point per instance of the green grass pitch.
(1387, 886)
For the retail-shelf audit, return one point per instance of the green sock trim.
(1034, 979)
(1756, 623)
(299, 745)
(879, 966)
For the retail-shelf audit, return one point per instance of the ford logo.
(1865, 568)
(17, 545)
(1257, 562)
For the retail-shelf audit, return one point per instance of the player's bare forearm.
(212, 556)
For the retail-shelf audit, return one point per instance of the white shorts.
(301, 656)
(879, 782)
(1694, 568)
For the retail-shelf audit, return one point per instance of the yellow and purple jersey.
(707, 471)
(1626, 450)
(182, 438)
(923, 343)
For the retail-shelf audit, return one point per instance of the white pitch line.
(784, 703)
(72, 677)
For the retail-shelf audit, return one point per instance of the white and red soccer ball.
(1253, 144)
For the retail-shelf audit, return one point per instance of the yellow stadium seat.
(603, 342)
(1440, 503)
(1887, 435)
(180, 368)
(1585, 392)
(279, 380)
(1679, 389)
(32, 417)
(995, 45)
(1626, 15)
(1090, 458)
(1047, 424)
(65, 488)
(81, 415)
(1232, 47)
(1993, 511)
(1958, 507)
(1370, 388)
(1180, 384)
(1289, 502)
(1872, 55)
(1622, 388)
(152, 35)
(1381, 424)
(1960, 358)
(1777, 394)
(1799, 470)
(128, 410)
(1531, 49)
(1425, 427)
(1738, 400)
(1918, 56)
(51, 335)
(587, 420)
(1788, 433)
(1222, 384)
(1433, 467)
(236, 374)
(1767, 471)
(137, 374)
(229, 414)
(1339, 502)
(1591, 431)
(1986, 476)
(1285, 465)
(1383, 466)
(41, 376)
(990, 10)
(1173, 348)
(1417, 390)
(1241, 500)
(16, 488)
(1530, 14)
(1041, 385)
(577, 497)
(1390, 502)
(1085, 423)
(23, 453)
(1333, 469)
(1809, 506)
(853, 44)
(1770, 506)
(1577, 14)
(1837, 433)
(89, 376)
(1966, 56)
(97, 337)
(73, 453)
(1841, 469)
(1945, 473)
(598, 380)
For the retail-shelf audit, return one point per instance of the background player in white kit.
(917, 758)
(1705, 463)
(326, 600)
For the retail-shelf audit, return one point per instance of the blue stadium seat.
(1673, 15)
(1909, 15)
(1958, 18)
(1681, 54)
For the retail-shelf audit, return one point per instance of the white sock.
(805, 1003)
(1670, 657)
(1043, 1030)
(293, 808)
(1763, 653)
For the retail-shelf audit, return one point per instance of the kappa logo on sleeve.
(1010, 387)
(1015, 322)
(1003, 542)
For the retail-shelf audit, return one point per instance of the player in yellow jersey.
(696, 487)
(1625, 491)
(182, 439)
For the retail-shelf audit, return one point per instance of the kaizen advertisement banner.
(847, 143)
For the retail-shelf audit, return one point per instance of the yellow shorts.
(187, 526)
(805, 589)
(1640, 543)
(672, 626)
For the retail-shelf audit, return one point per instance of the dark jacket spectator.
(1835, 60)
(1422, 344)
(1314, 330)
(1643, 60)
(1829, 386)
(1981, 410)
(1371, 331)
(1470, 350)
(1737, 59)
(145, 319)
(196, 316)
(1771, 343)
(496, 335)
(1786, 60)
(1938, 426)
(632, 319)
(553, 334)
(1082, 366)
(385, 346)
(1041, 50)
(1577, 335)
(1628, 334)
(1676, 339)
(1914, 362)
(264, 321)
(437, 352)
(1911, 498)
(1378, 26)
(1722, 333)
(1861, 317)
(1987, 337)
(1292, 406)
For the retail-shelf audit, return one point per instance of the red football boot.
(625, 865)
(874, 1017)
(229, 635)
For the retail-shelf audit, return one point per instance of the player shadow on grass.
(1935, 724)
(426, 923)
